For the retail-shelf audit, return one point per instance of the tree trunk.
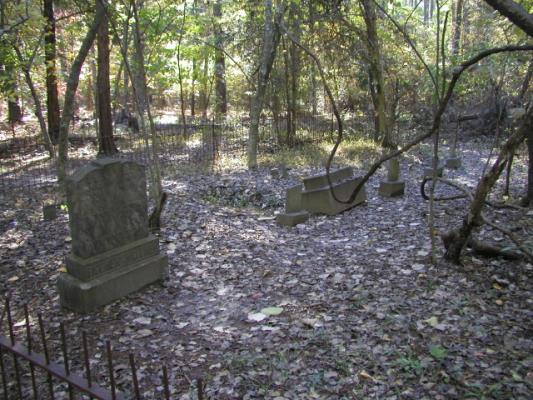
(106, 143)
(268, 54)
(294, 53)
(462, 235)
(36, 102)
(14, 111)
(457, 27)
(205, 85)
(70, 92)
(528, 200)
(193, 87)
(52, 95)
(151, 141)
(125, 99)
(313, 92)
(376, 73)
(287, 79)
(526, 84)
(426, 11)
(221, 103)
(180, 75)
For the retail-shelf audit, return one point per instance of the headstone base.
(392, 189)
(428, 172)
(453, 163)
(292, 219)
(96, 281)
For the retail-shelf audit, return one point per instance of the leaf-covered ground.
(341, 307)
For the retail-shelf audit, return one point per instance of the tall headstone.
(113, 253)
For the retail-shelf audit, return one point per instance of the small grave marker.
(393, 186)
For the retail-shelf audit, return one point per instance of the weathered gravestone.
(317, 196)
(294, 214)
(113, 253)
(393, 186)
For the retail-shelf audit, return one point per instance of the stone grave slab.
(113, 253)
(317, 197)
(319, 181)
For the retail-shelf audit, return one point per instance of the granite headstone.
(113, 253)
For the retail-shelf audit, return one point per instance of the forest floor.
(361, 310)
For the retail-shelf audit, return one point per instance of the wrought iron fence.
(28, 370)
(24, 162)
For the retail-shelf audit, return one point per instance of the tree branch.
(515, 13)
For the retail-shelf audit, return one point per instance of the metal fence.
(28, 369)
(24, 162)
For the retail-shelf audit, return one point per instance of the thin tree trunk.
(52, 95)
(36, 102)
(268, 54)
(313, 83)
(294, 53)
(180, 75)
(526, 85)
(376, 72)
(156, 189)
(205, 85)
(221, 103)
(70, 92)
(288, 102)
(106, 143)
(528, 200)
(193, 87)
(457, 27)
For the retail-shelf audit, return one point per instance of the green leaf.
(272, 311)
(433, 321)
(438, 352)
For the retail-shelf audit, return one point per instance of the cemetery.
(266, 200)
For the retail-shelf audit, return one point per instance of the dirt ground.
(361, 310)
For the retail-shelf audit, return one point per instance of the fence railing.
(27, 373)
(24, 162)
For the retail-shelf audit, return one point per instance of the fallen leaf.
(256, 317)
(365, 375)
(433, 322)
(270, 311)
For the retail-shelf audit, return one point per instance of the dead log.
(482, 248)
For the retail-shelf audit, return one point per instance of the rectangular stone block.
(85, 296)
(453, 163)
(321, 200)
(292, 219)
(319, 181)
(392, 189)
(293, 202)
(86, 269)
